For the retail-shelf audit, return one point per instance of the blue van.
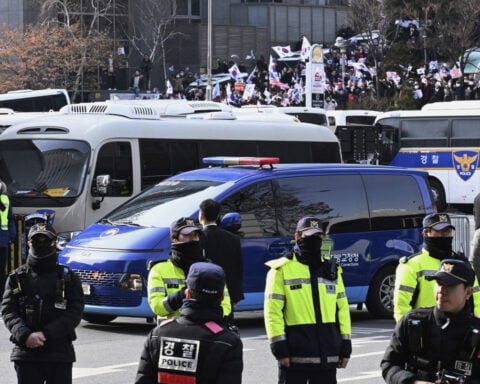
(373, 216)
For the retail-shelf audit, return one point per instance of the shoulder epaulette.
(405, 259)
(152, 263)
(277, 263)
(167, 321)
(214, 327)
(64, 271)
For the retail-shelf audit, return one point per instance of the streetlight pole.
(209, 53)
(342, 45)
(424, 36)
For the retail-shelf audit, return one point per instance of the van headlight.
(131, 282)
(63, 238)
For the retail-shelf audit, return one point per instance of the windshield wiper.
(106, 221)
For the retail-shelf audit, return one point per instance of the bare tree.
(151, 28)
(458, 29)
(450, 28)
(90, 41)
(367, 16)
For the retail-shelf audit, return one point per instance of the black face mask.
(309, 250)
(185, 254)
(42, 246)
(439, 247)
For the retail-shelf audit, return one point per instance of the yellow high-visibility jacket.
(307, 323)
(165, 279)
(412, 290)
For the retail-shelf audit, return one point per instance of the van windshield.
(156, 206)
(44, 168)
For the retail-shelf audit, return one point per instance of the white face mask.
(416, 87)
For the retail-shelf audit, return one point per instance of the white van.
(27, 100)
(85, 162)
(9, 119)
(317, 116)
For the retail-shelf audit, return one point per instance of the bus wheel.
(98, 319)
(380, 295)
(438, 195)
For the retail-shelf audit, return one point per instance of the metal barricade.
(461, 238)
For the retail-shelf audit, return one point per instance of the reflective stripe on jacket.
(4, 214)
(164, 279)
(410, 281)
(312, 335)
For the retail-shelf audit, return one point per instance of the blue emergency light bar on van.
(231, 160)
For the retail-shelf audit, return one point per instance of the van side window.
(395, 202)
(115, 159)
(255, 205)
(160, 159)
(337, 199)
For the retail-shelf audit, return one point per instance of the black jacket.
(223, 248)
(405, 361)
(206, 348)
(38, 296)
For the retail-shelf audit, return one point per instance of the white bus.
(446, 143)
(454, 105)
(27, 100)
(83, 163)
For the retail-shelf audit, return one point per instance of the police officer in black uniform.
(438, 344)
(42, 305)
(196, 347)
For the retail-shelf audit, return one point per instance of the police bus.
(444, 142)
(79, 165)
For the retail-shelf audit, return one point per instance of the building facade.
(239, 27)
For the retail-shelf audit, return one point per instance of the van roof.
(236, 173)
(133, 121)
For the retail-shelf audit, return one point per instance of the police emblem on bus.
(465, 163)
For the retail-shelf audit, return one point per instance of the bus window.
(465, 133)
(115, 159)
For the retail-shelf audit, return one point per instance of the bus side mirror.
(102, 184)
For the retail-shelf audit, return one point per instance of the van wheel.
(98, 319)
(438, 195)
(380, 295)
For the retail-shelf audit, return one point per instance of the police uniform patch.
(178, 354)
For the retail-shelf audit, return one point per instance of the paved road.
(109, 354)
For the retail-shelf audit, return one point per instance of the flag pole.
(209, 53)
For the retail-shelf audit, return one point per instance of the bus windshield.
(170, 198)
(44, 168)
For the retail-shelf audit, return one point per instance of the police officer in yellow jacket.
(166, 279)
(8, 232)
(412, 289)
(307, 316)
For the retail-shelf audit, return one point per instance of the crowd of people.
(427, 83)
